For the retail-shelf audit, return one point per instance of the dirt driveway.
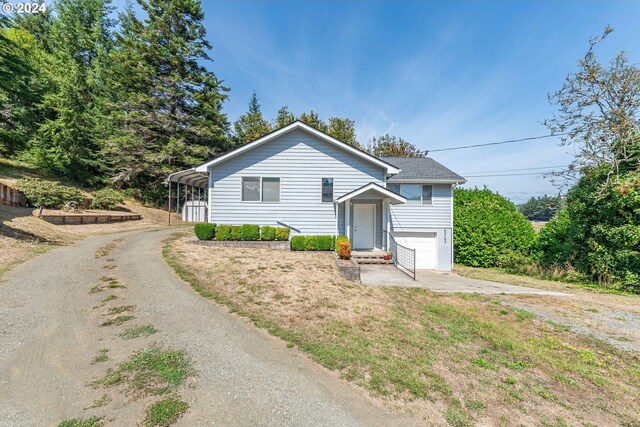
(51, 309)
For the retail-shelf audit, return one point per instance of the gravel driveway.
(49, 334)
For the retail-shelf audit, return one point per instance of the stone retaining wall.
(349, 269)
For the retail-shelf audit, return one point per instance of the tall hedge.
(486, 226)
(598, 233)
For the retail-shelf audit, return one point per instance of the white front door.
(364, 226)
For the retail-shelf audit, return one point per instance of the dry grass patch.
(454, 358)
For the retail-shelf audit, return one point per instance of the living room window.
(327, 189)
(260, 189)
(416, 194)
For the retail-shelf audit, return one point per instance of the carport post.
(178, 203)
(169, 211)
(192, 190)
(199, 197)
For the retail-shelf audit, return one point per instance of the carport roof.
(190, 177)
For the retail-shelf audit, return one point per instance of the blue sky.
(439, 74)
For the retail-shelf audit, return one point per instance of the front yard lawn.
(455, 359)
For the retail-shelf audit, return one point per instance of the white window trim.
(260, 189)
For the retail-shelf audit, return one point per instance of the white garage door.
(425, 245)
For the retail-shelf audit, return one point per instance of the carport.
(190, 187)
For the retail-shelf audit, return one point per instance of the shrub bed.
(246, 232)
(268, 233)
(250, 232)
(49, 194)
(282, 233)
(107, 198)
(205, 231)
(313, 243)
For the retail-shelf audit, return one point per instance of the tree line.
(125, 101)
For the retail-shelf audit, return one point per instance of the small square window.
(327, 189)
(413, 193)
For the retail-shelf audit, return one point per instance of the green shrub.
(487, 225)
(205, 231)
(282, 233)
(250, 232)
(223, 232)
(49, 194)
(107, 198)
(311, 243)
(298, 243)
(344, 249)
(236, 232)
(268, 233)
(325, 243)
(341, 239)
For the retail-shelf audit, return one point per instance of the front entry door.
(364, 226)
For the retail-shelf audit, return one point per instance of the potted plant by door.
(387, 256)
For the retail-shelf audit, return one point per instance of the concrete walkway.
(440, 281)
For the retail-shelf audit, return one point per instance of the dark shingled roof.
(421, 169)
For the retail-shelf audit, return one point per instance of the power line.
(497, 143)
(517, 170)
(507, 174)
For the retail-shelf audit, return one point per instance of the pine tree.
(69, 141)
(251, 125)
(167, 104)
(284, 118)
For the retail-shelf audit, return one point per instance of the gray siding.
(410, 217)
(300, 160)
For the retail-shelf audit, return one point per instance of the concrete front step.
(372, 260)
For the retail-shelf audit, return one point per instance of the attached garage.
(425, 244)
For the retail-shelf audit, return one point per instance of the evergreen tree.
(285, 117)
(313, 120)
(251, 125)
(20, 88)
(168, 105)
(343, 130)
(392, 146)
(69, 141)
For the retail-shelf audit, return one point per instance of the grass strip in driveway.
(460, 359)
(165, 412)
(150, 372)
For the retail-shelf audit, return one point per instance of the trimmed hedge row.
(316, 243)
(247, 232)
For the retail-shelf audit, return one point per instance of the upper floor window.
(260, 189)
(416, 194)
(327, 189)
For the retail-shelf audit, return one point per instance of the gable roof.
(391, 169)
(385, 192)
(423, 169)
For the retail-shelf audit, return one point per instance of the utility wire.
(497, 143)
(507, 174)
(517, 170)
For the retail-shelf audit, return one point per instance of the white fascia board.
(297, 125)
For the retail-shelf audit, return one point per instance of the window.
(327, 189)
(416, 194)
(270, 189)
(427, 191)
(256, 189)
(250, 189)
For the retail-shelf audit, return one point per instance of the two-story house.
(304, 179)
